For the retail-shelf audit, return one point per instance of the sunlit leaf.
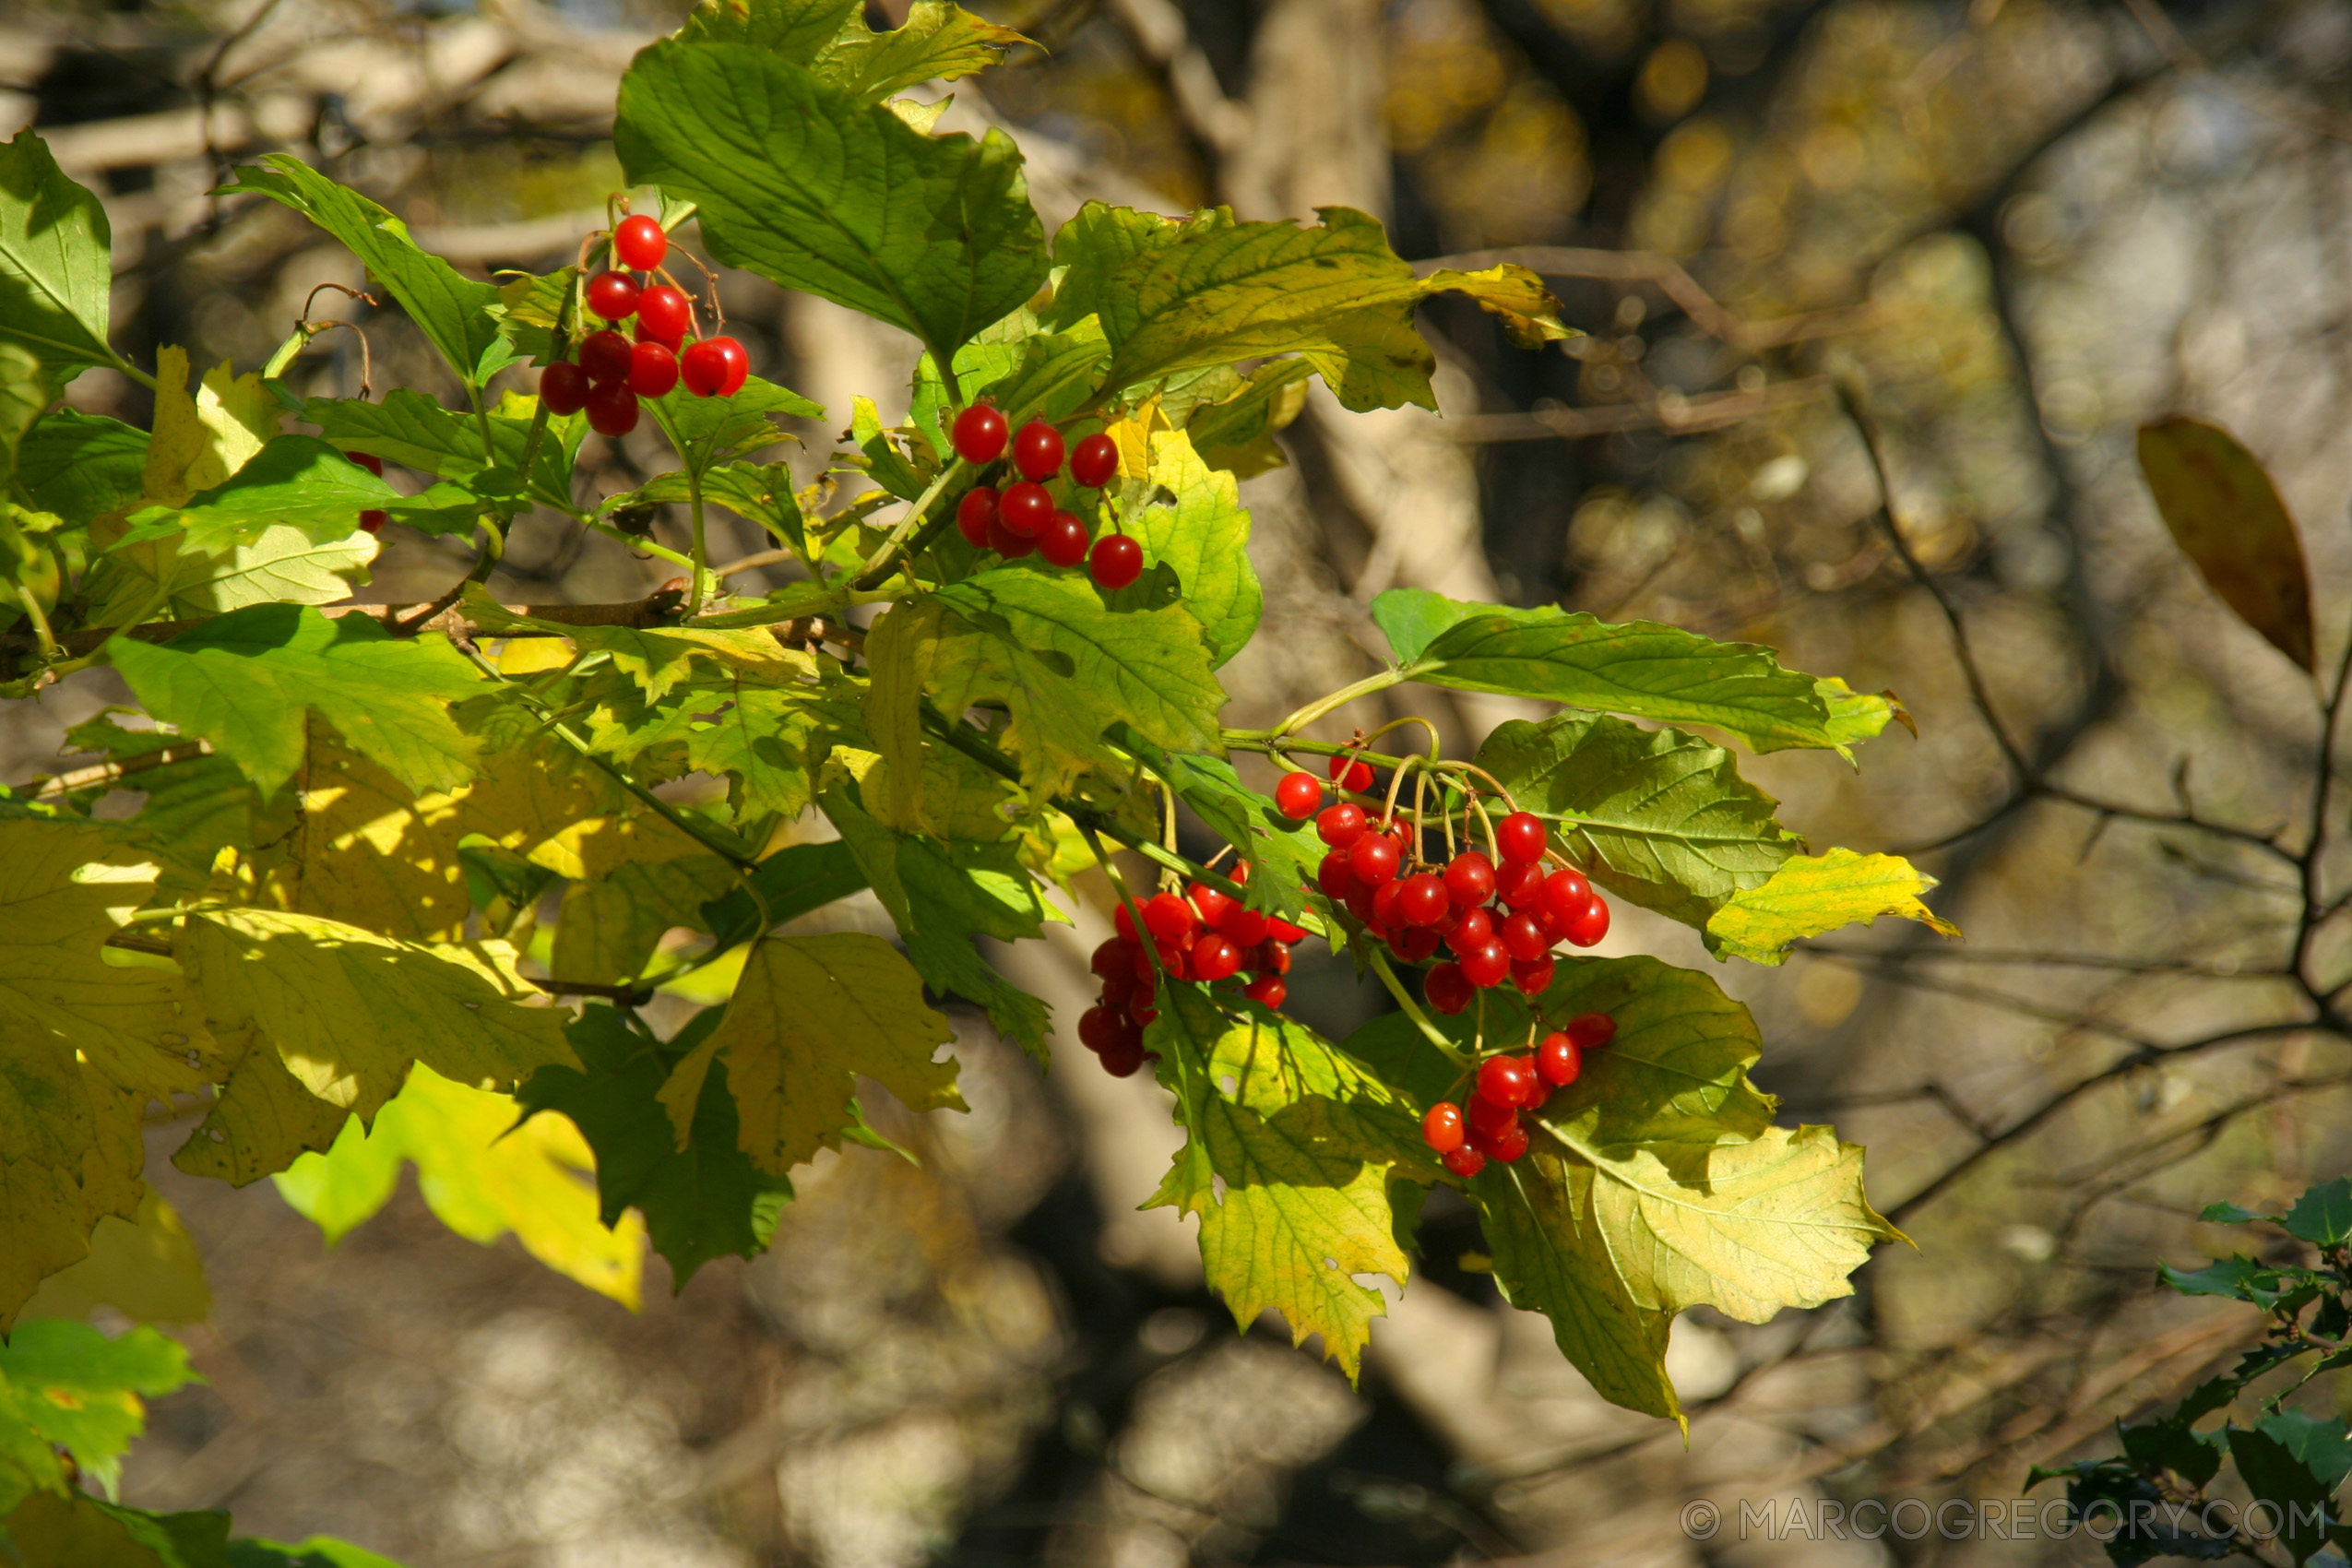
(1811, 894)
(66, 1386)
(55, 260)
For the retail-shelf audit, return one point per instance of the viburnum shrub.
(327, 926)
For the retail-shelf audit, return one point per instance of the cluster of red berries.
(371, 520)
(1501, 922)
(1205, 937)
(1503, 1086)
(612, 371)
(1022, 517)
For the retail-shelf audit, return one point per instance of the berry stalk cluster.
(615, 369)
(1024, 517)
(1205, 937)
(1504, 1085)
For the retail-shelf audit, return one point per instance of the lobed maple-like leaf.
(1811, 894)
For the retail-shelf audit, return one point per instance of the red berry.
(1590, 1031)
(1168, 918)
(1298, 796)
(1483, 967)
(1269, 990)
(1098, 1030)
(605, 357)
(1115, 956)
(1215, 957)
(1421, 899)
(1442, 1128)
(1506, 1146)
(1124, 1057)
(1245, 925)
(1558, 1061)
(715, 367)
(1464, 1162)
(1507, 1080)
(1117, 561)
(1213, 906)
(1415, 943)
(664, 315)
(653, 370)
(1374, 858)
(1004, 540)
(1026, 508)
(612, 410)
(1563, 895)
(1351, 775)
(639, 243)
(564, 388)
(1447, 988)
(974, 513)
(1333, 876)
(1521, 838)
(1120, 989)
(1096, 460)
(372, 464)
(1469, 879)
(613, 295)
(1063, 540)
(374, 520)
(1273, 956)
(1384, 901)
(1518, 883)
(1340, 826)
(1532, 977)
(1359, 902)
(1037, 450)
(979, 434)
(1590, 926)
(1525, 936)
(1282, 930)
(1491, 1116)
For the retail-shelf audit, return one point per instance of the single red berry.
(1447, 988)
(1340, 826)
(564, 388)
(372, 520)
(1518, 883)
(372, 463)
(1098, 1029)
(1506, 1146)
(1215, 957)
(613, 295)
(1333, 876)
(1415, 943)
(1520, 838)
(1374, 858)
(1489, 1115)
(1114, 956)
(1506, 1080)
(605, 357)
(1282, 930)
(1168, 918)
(1384, 902)
(1349, 774)
(653, 370)
(1532, 977)
(980, 434)
(715, 367)
(1120, 989)
(1464, 1162)
(1590, 1031)
(639, 243)
(1269, 990)
(1590, 926)
(1244, 924)
(1421, 899)
(1143, 1017)
(1525, 936)
(1124, 1057)
(1094, 461)
(1004, 540)
(1360, 902)
(1469, 879)
(974, 513)
(1472, 931)
(1274, 956)
(1117, 561)
(1213, 906)
(1442, 1128)
(664, 315)
(1563, 895)
(1063, 540)
(1298, 796)
(612, 410)
(1483, 967)
(1558, 1061)
(1037, 450)
(1026, 508)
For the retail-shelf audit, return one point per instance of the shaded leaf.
(413, 431)
(80, 466)
(145, 1268)
(2227, 516)
(1815, 893)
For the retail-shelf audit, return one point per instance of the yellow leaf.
(809, 1015)
(610, 925)
(1132, 435)
(145, 1268)
(1810, 895)
(900, 650)
(2227, 516)
(199, 440)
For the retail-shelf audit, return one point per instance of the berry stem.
(702, 555)
(1412, 1009)
(1340, 698)
(878, 565)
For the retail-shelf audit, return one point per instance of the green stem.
(128, 368)
(493, 550)
(1340, 698)
(33, 612)
(877, 566)
(1412, 1009)
(632, 542)
(693, 506)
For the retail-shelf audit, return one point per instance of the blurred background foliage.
(2011, 230)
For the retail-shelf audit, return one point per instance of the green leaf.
(25, 396)
(55, 261)
(304, 482)
(806, 185)
(246, 682)
(1202, 534)
(413, 431)
(756, 492)
(2236, 1278)
(1235, 432)
(1815, 893)
(880, 455)
(322, 1020)
(145, 1268)
(1657, 816)
(791, 883)
(2291, 1481)
(700, 1202)
(767, 741)
(2173, 1445)
(72, 1531)
(317, 1551)
(937, 41)
(609, 926)
(1302, 1145)
(1283, 855)
(80, 466)
(458, 315)
(2230, 1214)
(706, 430)
(63, 1385)
(2322, 1216)
(2227, 516)
(2322, 1443)
(1639, 669)
(809, 1014)
(480, 1171)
